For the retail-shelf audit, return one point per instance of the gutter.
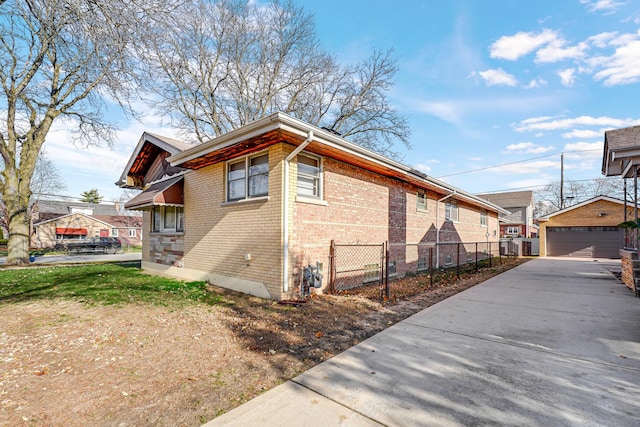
(285, 210)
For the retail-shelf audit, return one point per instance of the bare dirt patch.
(72, 364)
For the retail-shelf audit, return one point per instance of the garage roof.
(579, 205)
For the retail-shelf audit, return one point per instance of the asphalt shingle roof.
(512, 199)
(623, 138)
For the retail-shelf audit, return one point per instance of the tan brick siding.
(585, 216)
(218, 235)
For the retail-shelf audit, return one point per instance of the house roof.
(148, 147)
(281, 127)
(511, 199)
(621, 151)
(59, 207)
(579, 205)
(163, 193)
(115, 221)
(71, 214)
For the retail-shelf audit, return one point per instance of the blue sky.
(483, 83)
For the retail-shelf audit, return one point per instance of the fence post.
(476, 257)
(431, 266)
(458, 260)
(490, 254)
(385, 247)
(332, 267)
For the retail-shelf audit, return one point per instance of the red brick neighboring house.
(57, 221)
(249, 209)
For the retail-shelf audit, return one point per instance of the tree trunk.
(17, 205)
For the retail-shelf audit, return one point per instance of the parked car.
(107, 245)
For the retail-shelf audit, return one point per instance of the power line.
(513, 163)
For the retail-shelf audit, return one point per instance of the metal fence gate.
(353, 265)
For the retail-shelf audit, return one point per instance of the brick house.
(519, 221)
(588, 229)
(248, 209)
(56, 221)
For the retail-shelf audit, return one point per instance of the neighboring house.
(249, 209)
(519, 221)
(57, 221)
(588, 229)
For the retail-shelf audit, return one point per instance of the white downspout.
(438, 226)
(285, 211)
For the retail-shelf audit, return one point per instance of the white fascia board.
(625, 154)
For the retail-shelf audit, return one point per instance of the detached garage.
(588, 229)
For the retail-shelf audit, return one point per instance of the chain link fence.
(354, 265)
(359, 265)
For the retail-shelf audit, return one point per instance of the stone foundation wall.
(167, 249)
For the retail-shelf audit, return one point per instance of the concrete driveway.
(552, 342)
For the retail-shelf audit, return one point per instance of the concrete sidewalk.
(552, 342)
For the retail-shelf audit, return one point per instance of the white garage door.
(590, 242)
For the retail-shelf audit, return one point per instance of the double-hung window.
(166, 219)
(483, 217)
(451, 210)
(309, 176)
(421, 201)
(248, 178)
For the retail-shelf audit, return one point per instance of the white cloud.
(539, 82)
(551, 123)
(444, 110)
(556, 51)
(623, 67)
(606, 6)
(584, 150)
(584, 134)
(567, 76)
(528, 148)
(497, 77)
(422, 167)
(520, 44)
(603, 39)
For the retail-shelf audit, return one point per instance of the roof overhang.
(579, 205)
(279, 127)
(169, 192)
(148, 147)
(621, 152)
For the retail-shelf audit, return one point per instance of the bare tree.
(46, 183)
(226, 63)
(548, 198)
(59, 59)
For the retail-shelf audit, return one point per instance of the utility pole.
(562, 181)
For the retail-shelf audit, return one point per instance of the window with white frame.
(451, 210)
(309, 182)
(114, 232)
(421, 201)
(166, 219)
(483, 217)
(513, 230)
(248, 178)
(132, 232)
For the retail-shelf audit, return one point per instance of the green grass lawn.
(101, 284)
